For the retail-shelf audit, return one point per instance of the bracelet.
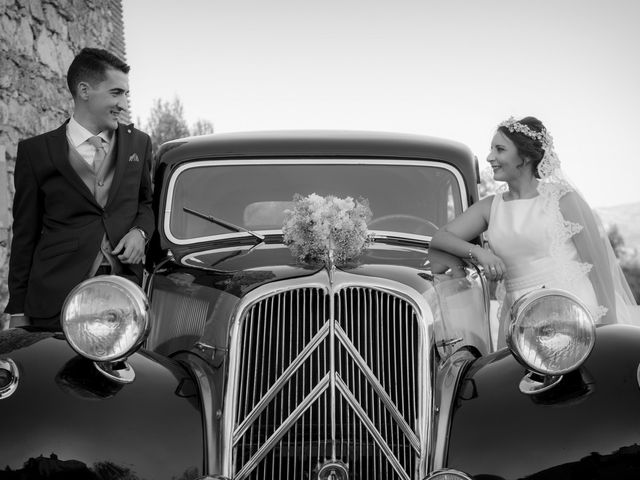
(471, 255)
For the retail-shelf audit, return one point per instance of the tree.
(616, 240)
(202, 127)
(488, 186)
(166, 122)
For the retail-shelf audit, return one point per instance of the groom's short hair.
(90, 65)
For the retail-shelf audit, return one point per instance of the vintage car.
(237, 360)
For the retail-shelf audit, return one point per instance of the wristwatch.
(142, 232)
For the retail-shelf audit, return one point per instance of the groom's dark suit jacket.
(58, 224)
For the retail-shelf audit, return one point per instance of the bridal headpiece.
(549, 166)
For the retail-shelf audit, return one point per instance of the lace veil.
(572, 218)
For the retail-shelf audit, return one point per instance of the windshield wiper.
(222, 223)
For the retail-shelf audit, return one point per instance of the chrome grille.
(327, 376)
(377, 357)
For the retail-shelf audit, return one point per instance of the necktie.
(100, 152)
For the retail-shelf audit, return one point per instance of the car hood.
(195, 297)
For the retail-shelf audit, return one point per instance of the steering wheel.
(401, 222)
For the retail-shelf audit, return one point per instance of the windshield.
(406, 197)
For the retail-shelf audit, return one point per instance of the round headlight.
(105, 318)
(448, 474)
(551, 331)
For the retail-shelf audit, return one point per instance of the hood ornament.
(330, 265)
(333, 470)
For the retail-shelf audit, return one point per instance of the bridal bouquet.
(326, 229)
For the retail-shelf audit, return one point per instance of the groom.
(82, 204)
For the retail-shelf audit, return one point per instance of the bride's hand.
(494, 267)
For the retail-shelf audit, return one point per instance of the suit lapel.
(124, 144)
(58, 147)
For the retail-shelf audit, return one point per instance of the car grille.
(328, 376)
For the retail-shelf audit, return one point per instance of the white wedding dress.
(554, 240)
(520, 233)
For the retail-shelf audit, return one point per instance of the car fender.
(587, 426)
(67, 418)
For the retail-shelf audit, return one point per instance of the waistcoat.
(99, 183)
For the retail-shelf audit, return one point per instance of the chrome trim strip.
(286, 376)
(295, 161)
(384, 396)
(198, 368)
(282, 429)
(332, 368)
(230, 401)
(444, 396)
(372, 429)
(378, 234)
(194, 257)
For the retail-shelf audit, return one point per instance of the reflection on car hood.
(270, 262)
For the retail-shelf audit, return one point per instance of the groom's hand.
(130, 248)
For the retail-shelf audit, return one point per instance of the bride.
(540, 231)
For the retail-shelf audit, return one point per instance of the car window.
(413, 198)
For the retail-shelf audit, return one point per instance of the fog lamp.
(551, 331)
(105, 318)
(447, 474)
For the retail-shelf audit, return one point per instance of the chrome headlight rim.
(12, 377)
(521, 305)
(139, 302)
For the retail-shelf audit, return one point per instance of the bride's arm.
(455, 236)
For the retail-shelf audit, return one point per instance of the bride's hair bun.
(527, 146)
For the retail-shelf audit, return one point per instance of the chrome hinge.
(449, 342)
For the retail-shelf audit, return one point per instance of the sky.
(446, 68)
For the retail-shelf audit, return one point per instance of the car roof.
(316, 143)
(322, 144)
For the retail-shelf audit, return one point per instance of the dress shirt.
(78, 136)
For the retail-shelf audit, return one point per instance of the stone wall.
(38, 40)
